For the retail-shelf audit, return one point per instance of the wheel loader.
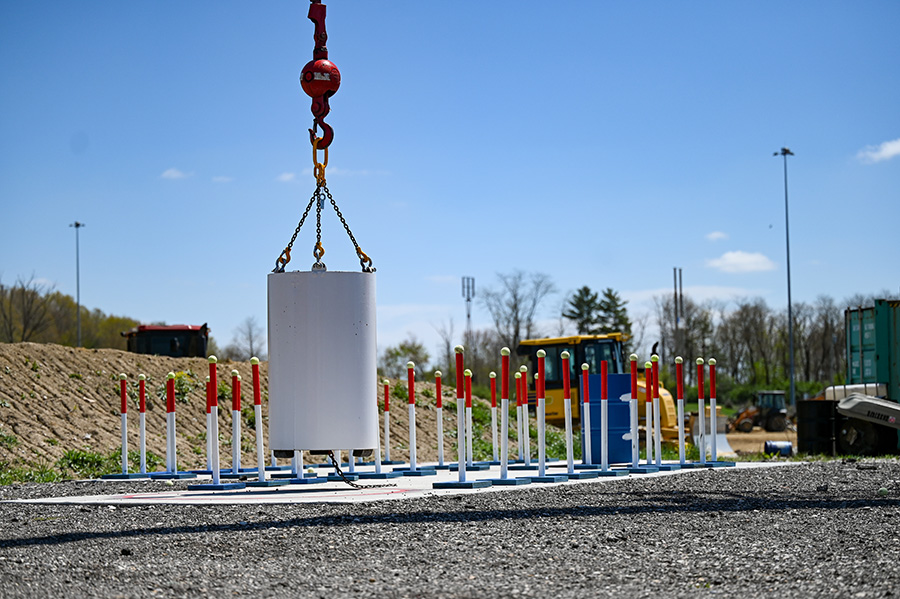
(768, 412)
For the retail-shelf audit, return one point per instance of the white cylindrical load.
(322, 352)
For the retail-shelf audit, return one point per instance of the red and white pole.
(142, 409)
(635, 437)
(526, 425)
(235, 422)
(171, 457)
(460, 415)
(214, 419)
(257, 417)
(713, 424)
(657, 428)
(493, 376)
(439, 405)
(604, 416)
(411, 380)
(519, 441)
(123, 395)
(539, 394)
(209, 394)
(504, 411)
(648, 412)
(469, 429)
(679, 381)
(702, 408)
(387, 421)
(567, 400)
(586, 412)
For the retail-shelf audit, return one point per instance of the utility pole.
(784, 153)
(468, 292)
(77, 226)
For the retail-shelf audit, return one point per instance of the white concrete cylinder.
(322, 353)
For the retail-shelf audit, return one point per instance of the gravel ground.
(826, 529)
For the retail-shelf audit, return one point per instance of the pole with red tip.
(142, 409)
(439, 405)
(648, 412)
(526, 425)
(123, 395)
(493, 376)
(257, 414)
(504, 411)
(411, 381)
(712, 410)
(679, 380)
(702, 408)
(209, 394)
(657, 429)
(387, 421)
(604, 417)
(519, 442)
(539, 393)
(214, 419)
(586, 413)
(171, 458)
(567, 401)
(469, 429)
(235, 422)
(633, 404)
(460, 415)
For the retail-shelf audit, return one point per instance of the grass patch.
(8, 440)
(83, 463)
(41, 472)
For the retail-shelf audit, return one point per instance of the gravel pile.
(827, 529)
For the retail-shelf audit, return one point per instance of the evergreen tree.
(583, 309)
(613, 315)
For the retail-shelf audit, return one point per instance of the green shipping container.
(873, 345)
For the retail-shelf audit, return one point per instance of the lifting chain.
(355, 485)
(320, 79)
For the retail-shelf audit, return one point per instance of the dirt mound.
(55, 398)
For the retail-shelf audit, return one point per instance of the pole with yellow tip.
(411, 380)
(142, 423)
(469, 430)
(633, 404)
(519, 442)
(679, 381)
(586, 414)
(702, 409)
(657, 430)
(257, 420)
(526, 425)
(504, 411)
(495, 448)
(567, 401)
(541, 414)
(712, 411)
(439, 408)
(235, 422)
(648, 412)
(123, 392)
(460, 415)
(214, 419)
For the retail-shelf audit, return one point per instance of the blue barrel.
(781, 448)
(619, 419)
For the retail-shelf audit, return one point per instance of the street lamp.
(784, 153)
(77, 226)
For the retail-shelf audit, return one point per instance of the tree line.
(33, 311)
(748, 338)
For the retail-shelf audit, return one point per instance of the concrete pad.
(472, 468)
(379, 475)
(510, 482)
(129, 476)
(552, 478)
(267, 483)
(216, 486)
(582, 475)
(172, 475)
(531, 466)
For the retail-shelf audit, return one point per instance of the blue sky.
(602, 143)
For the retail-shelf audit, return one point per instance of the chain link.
(318, 249)
(355, 485)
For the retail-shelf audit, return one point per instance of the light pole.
(468, 292)
(77, 226)
(785, 152)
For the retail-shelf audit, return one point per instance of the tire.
(745, 426)
(776, 423)
(857, 437)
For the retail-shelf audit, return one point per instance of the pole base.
(364, 475)
(172, 475)
(120, 476)
(314, 480)
(587, 466)
(641, 470)
(468, 484)
(473, 467)
(267, 483)
(668, 467)
(552, 478)
(720, 464)
(352, 476)
(216, 487)
(616, 472)
(532, 466)
(442, 467)
(582, 475)
(512, 482)
(417, 472)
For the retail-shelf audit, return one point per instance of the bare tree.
(447, 357)
(514, 304)
(249, 340)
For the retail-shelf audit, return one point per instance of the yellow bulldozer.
(590, 350)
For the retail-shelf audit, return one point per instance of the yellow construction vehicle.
(590, 350)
